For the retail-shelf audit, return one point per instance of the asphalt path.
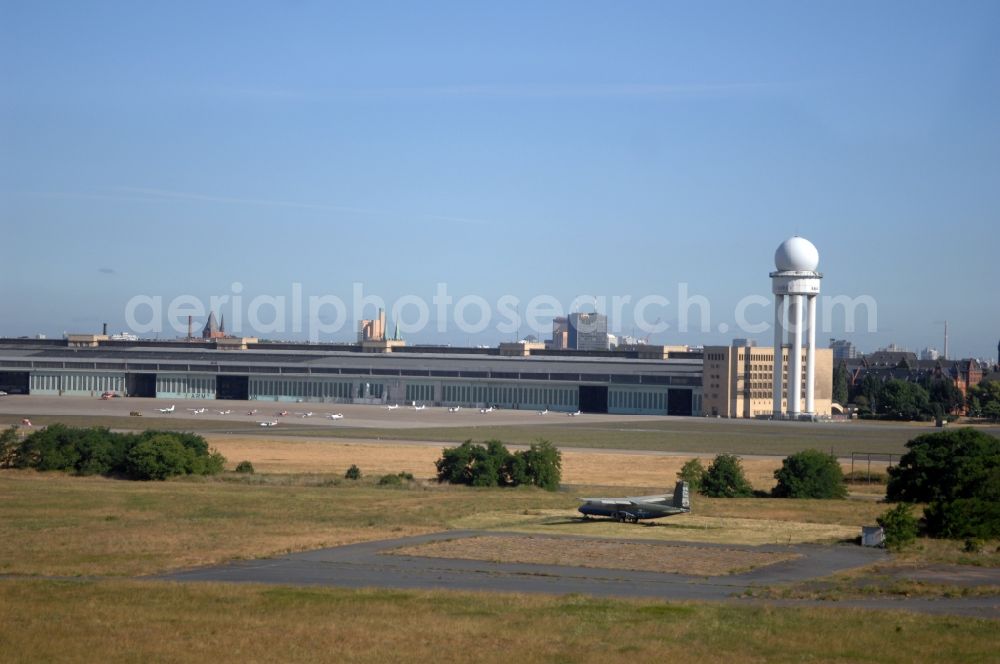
(371, 564)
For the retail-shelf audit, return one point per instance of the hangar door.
(14, 382)
(593, 398)
(679, 402)
(232, 387)
(140, 384)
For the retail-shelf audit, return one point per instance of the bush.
(98, 451)
(244, 467)
(8, 447)
(474, 464)
(957, 473)
(540, 465)
(492, 464)
(724, 478)
(395, 480)
(157, 458)
(693, 473)
(810, 474)
(973, 545)
(899, 525)
(964, 518)
(353, 473)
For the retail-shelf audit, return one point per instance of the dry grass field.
(600, 553)
(683, 528)
(110, 621)
(580, 467)
(53, 524)
(56, 524)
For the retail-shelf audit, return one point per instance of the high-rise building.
(929, 354)
(560, 333)
(587, 331)
(843, 350)
(894, 348)
(372, 329)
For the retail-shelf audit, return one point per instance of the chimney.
(105, 330)
(189, 327)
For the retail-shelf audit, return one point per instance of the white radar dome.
(796, 254)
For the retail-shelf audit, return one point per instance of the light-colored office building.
(737, 381)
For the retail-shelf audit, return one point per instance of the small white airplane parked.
(197, 411)
(420, 407)
(167, 410)
(336, 416)
(544, 412)
(306, 414)
(2, 393)
(454, 409)
(392, 407)
(486, 410)
(573, 414)
(269, 423)
(252, 411)
(224, 412)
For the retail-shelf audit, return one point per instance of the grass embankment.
(695, 436)
(151, 621)
(686, 435)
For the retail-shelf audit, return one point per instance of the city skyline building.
(930, 354)
(843, 350)
(587, 331)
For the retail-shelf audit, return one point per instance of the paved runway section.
(368, 565)
(310, 414)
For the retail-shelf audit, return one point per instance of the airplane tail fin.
(682, 496)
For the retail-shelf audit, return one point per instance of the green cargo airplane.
(640, 507)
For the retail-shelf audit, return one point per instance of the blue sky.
(523, 149)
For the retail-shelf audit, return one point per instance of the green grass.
(153, 621)
(694, 435)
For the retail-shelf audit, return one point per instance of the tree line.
(492, 464)
(150, 455)
(954, 475)
(805, 474)
(931, 397)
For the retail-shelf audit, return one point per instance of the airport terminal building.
(518, 376)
